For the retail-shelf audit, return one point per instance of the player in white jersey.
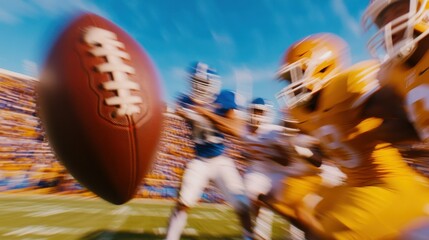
(286, 170)
(280, 161)
(263, 173)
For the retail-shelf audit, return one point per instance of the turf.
(40, 217)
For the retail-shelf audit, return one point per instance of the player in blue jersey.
(210, 114)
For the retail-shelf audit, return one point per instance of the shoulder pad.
(355, 84)
(363, 80)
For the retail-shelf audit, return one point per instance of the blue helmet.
(226, 100)
(260, 112)
(205, 83)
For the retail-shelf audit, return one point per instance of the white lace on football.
(105, 44)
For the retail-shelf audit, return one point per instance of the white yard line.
(122, 213)
(162, 231)
(43, 230)
(46, 210)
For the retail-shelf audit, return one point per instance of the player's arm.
(303, 147)
(229, 124)
(284, 151)
(387, 106)
(313, 155)
(185, 111)
(300, 216)
(382, 108)
(309, 223)
(180, 112)
(309, 149)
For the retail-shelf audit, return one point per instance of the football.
(100, 102)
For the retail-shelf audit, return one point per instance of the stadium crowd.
(27, 163)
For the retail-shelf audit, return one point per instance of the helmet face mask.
(290, 124)
(203, 90)
(309, 65)
(260, 113)
(256, 116)
(401, 25)
(205, 83)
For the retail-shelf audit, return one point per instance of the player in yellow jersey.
(275, 169)
(305, 173)
(306, 178)
(356, 121)
(402, 42)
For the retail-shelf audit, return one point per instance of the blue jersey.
(209, 141)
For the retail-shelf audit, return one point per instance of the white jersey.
(264, 175)
(258, 145)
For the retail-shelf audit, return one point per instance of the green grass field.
(40, 217)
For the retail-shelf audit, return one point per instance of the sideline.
(35, 196)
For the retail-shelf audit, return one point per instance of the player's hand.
(282, 156)
(181, 112)
(305, 218)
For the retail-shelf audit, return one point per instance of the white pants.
(261, 178)
(221, 170)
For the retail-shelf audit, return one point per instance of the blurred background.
(244, 40)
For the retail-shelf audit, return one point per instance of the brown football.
(100, 103)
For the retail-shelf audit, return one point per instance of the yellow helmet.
(413, 25)
(309, 64)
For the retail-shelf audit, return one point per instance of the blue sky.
(243, 39)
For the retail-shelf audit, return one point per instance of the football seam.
(133, 134)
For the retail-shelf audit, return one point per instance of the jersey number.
(332, 140)
(204, 132)
(418, 109)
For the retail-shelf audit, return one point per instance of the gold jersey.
(412, 85)
(347, 134)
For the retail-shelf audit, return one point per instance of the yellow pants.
(373, 212)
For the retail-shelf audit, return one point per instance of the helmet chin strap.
(255, 123)
(255, 120)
